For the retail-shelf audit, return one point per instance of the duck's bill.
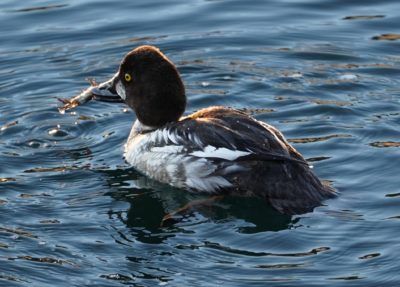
(101, 92)
(106, 91)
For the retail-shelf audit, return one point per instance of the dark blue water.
(73, 213)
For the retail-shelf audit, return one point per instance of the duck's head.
(150, 84)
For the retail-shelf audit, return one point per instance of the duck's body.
(215, 150)
(222, 150)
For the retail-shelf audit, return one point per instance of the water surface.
(73, 213)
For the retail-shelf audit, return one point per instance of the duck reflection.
(157, 211)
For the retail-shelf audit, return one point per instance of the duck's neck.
(139, 128)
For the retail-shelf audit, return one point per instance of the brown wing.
(274, 169)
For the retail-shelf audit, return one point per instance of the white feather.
(224, 153)
(171, 149)
(172, 137)
(170, 164)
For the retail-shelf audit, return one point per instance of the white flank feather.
(224, 153)
(170, 164)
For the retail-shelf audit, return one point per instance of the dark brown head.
(150, 84)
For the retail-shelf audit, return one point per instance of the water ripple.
(325, 73)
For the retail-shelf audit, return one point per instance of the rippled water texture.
(73, 213)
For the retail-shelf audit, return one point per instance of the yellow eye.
(128, 77)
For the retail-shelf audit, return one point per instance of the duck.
(217, 150)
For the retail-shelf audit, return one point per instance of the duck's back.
(224, 150)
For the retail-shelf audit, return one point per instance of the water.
(73, 213)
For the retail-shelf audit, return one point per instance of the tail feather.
(291, 188)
